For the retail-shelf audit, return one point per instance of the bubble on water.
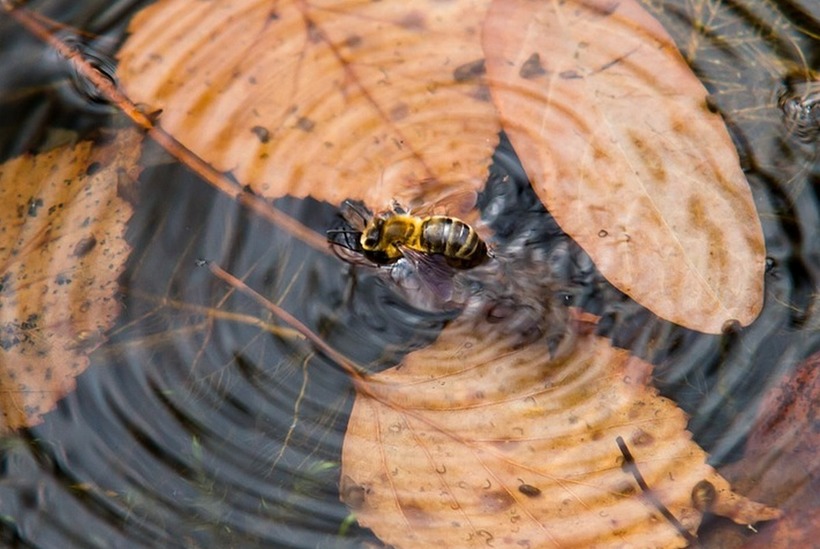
(800, 102)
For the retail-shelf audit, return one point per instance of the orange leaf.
(614, 131)
(333, 99)
(62, 250)
(476, 441)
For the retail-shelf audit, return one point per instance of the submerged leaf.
(477, 439)
(334, 99)
(62, 250)
(616, 135)
(781, 462)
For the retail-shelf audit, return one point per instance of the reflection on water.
(206, 422)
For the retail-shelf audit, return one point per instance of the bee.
(389, 236)
(435, 247)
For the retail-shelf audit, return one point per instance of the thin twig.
(42, 28)
(632, 467)
(354, 372)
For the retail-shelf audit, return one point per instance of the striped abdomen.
(454, 239)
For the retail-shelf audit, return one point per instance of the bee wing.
(433, 273)
(456, 202)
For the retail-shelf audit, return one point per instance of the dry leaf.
(333, 99)
(614, 131)
(62, 250)
(781, 462)
(474, 442)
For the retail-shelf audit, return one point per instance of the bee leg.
(397, 208)
(350, 287)
(355, 213)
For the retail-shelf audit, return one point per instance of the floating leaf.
(616, 135)
(478, 441)
(62, 250)
(333, 99)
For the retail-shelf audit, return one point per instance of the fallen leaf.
(780, 463)
(333, 99)
(615, 133)
(479, 441)
(62, 250)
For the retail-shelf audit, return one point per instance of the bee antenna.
(357, 209)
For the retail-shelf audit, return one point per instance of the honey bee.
(435, 247)
(389, 236)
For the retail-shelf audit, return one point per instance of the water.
(205, 422)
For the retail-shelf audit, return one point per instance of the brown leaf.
(333, 99)
(477, 439)
(781, 462)
(614, 131)
(62, 250)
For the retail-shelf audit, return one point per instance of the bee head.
(372, 234)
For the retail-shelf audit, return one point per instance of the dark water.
(200, 429)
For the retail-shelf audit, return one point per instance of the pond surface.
(205, 422)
